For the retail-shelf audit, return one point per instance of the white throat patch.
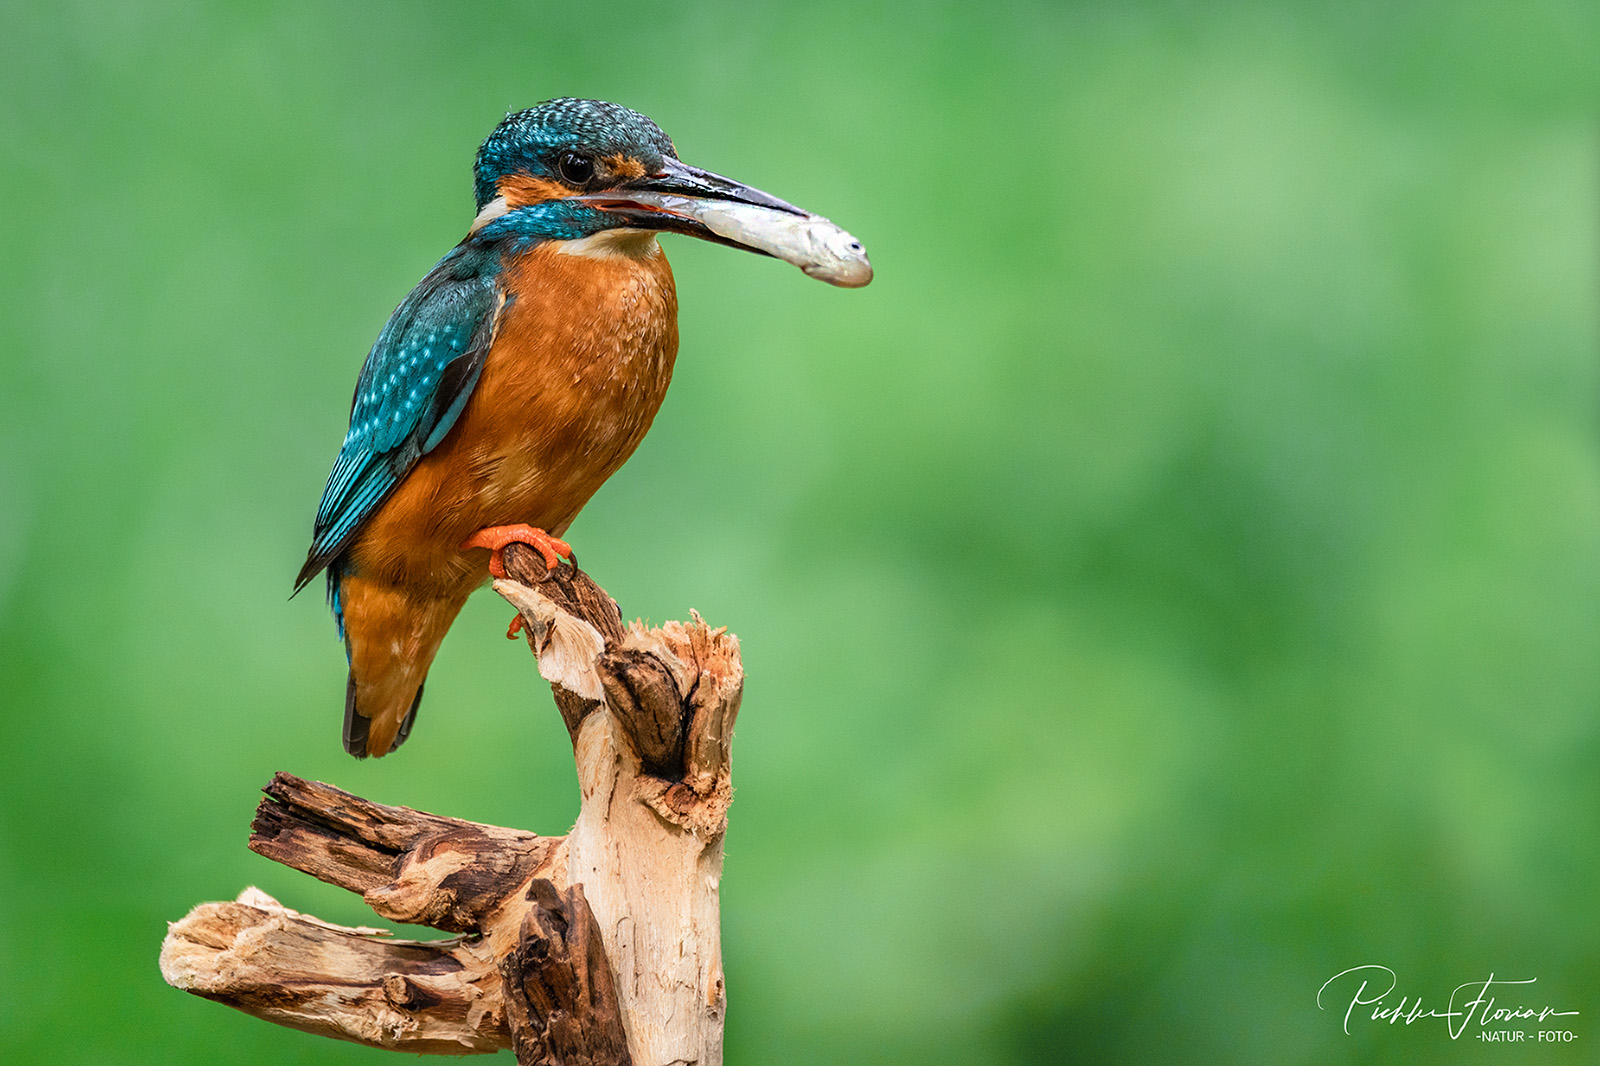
(491, 211)
(611, 244)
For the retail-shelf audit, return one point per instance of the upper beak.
(684, 199)
(677, 199)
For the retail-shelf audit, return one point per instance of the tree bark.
(600, 947)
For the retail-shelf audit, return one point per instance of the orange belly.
(581, 358)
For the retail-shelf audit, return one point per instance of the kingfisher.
(517, 376)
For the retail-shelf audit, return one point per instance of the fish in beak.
(684, 199)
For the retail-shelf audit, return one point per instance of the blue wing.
(413, 386)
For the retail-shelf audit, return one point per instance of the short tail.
(390, 637)
(358, 734)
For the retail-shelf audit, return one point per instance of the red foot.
(514, 628)
(495, 538)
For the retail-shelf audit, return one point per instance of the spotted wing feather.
(416, 380)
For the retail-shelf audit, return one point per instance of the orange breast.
(579, 365)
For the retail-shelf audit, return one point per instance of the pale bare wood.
(647, 847)
(439, 998)
(601, 947)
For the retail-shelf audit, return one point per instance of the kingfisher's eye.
(574, 168)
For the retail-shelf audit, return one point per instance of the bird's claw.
(495, 538)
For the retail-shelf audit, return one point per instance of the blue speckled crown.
(528, 141)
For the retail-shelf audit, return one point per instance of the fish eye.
(574, 169)
(854, 246)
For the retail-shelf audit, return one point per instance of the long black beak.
(678, 178)
(675, 199)
(684, 199)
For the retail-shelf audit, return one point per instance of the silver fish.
(810, 242)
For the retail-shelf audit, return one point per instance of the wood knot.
(405, 994)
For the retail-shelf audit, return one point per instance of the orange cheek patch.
(520, 190)
(622, 166)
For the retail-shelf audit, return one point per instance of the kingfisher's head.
(602, 167)
(563, 147)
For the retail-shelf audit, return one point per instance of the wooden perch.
(599, 947)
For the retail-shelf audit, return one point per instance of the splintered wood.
(265, 959)
(599, 947)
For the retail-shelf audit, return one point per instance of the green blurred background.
(1172, 582)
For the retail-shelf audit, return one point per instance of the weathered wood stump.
(599, 947)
